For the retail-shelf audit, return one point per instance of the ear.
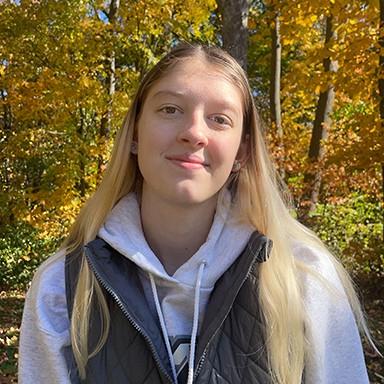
(243, 152)
(134, 147)
(134, 144)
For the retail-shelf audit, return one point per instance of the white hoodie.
(337, 353)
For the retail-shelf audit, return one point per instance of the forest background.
(68, 70)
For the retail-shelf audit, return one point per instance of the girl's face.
(189, 133)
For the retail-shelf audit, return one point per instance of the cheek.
(152, 135)
(152, 145)
(225, 152)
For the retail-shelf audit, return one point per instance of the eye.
(221, 120)
(169, 109)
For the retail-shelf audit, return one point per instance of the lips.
(187, 161)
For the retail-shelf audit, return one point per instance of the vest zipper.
(128, 316)
(202, 358)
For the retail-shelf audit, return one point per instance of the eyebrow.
(168, 93)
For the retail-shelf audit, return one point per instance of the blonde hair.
(259, 202)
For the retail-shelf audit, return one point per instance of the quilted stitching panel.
(236, 366)
(244, 331)
(238, 351)
(217, 378)
(126, 358)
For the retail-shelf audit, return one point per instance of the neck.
(175, 232)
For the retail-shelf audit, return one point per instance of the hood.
(226, 239)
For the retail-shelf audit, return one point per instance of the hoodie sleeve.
(44, 336)
(335, 354)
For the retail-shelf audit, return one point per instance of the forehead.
(197, 75)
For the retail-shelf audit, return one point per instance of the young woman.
(185, 266)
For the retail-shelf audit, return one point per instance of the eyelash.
(166, 108)
(225, 120)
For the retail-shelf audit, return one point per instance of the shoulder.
(49, 278)
(324, 294)
(314, 256)
(316, 265)
(325, 299)
(46, 298)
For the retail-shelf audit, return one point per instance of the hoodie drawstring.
(163, 327)
(195, 326)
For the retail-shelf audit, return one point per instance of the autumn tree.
(275, 87)
(234, 28)
(321, 125)
(68, 70)
(381, 89)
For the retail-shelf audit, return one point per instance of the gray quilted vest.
(230, 346)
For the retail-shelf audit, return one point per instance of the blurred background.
(68, 70)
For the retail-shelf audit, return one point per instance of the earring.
(236, 166)
(134, 148)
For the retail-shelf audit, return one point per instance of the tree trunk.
(275, 85)
(81, 185)
(381, 86)
(320, 128)
(105, 125)
(7, 126)
(234, 31)
(6, 164)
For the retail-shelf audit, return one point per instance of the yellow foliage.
(55, 71)
(355, 50)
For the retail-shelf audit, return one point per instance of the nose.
(194, 132)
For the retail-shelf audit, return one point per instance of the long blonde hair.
(259, 202)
